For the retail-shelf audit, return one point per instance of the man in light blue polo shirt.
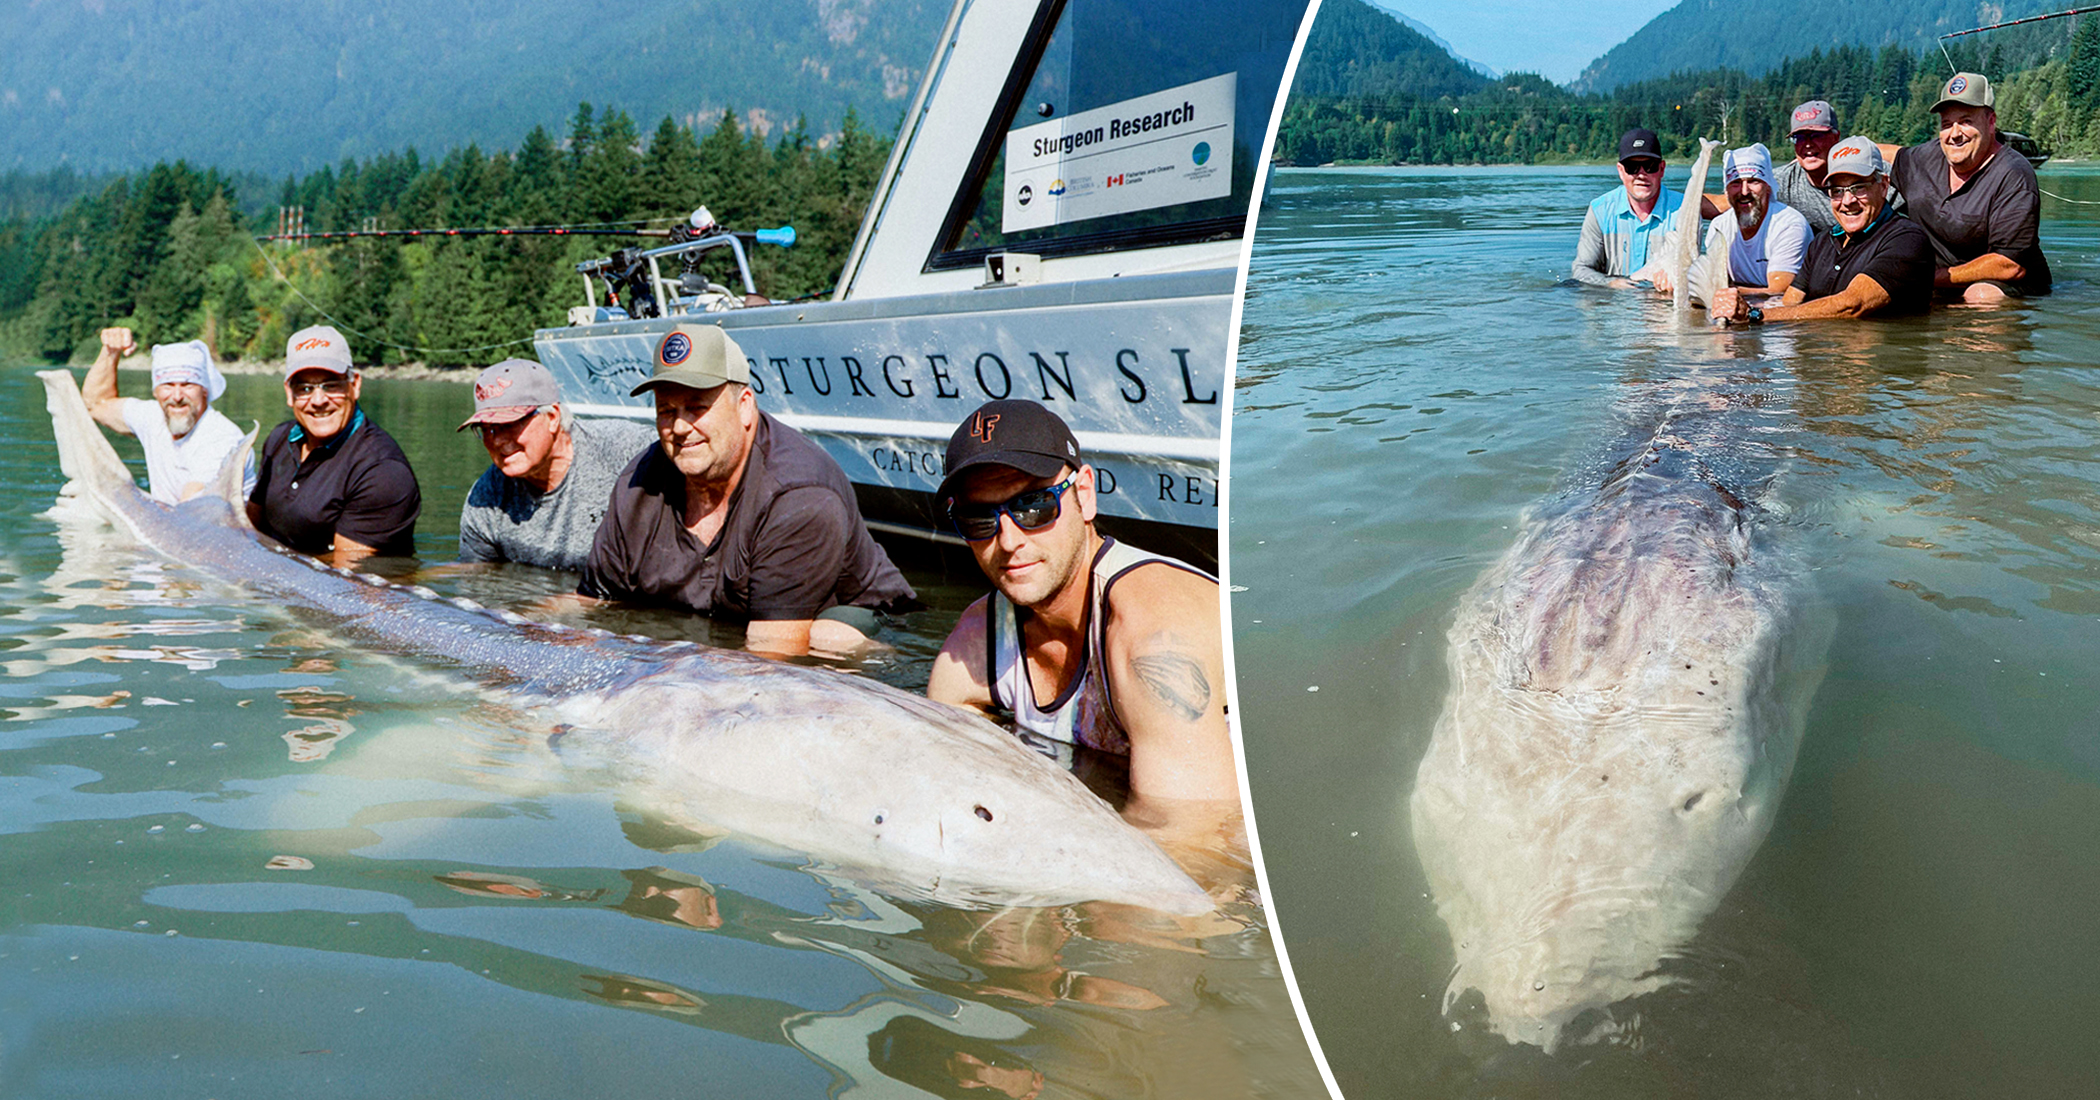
(1623, 224)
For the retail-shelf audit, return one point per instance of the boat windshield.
(1125, 123)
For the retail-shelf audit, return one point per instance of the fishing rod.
(480, 231)
(783, 236)
(1942, 40)
(2026, 19)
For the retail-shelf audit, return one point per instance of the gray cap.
(1967, 90)
(698, 357)
(1814, 115)
(317, 347)
(1855, 156)
(511, 390)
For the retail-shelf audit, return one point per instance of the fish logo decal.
(1848, 151)
(488, 391)
(676, 347)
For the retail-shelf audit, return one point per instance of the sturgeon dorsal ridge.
(786, 754)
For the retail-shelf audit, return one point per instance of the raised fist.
(119, 340)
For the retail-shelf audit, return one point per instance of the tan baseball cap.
(1856, 156)
(1967, 90)
(698, 357)
(317, 347)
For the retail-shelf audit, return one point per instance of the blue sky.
(1554, 38)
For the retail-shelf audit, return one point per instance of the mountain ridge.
(263, 86)
(1702, 35)
(1426, 31)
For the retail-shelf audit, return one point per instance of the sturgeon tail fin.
(1685, 238)
(83, 453)
(233, 473)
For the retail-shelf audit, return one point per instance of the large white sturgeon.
(917, 798)
(1628, 688)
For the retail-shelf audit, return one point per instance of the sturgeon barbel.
(918, 798)
(1628, 689)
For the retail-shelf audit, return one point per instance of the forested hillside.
(167, 252)
(275, 87)
(1702, 35)
(1356, 50)
(2048, 78)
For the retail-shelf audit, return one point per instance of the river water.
(1413, 377)
(244, 859)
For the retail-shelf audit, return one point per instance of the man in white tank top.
(1083, 641)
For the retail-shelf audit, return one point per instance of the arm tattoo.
(1177, 681)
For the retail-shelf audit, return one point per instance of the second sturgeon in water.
(920, 799)
(1628, 689)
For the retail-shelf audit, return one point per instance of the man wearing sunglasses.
(1083, 640)
(1625, 224)
(331, 483)
(545, 491)
(1876, 262)
(736, 515)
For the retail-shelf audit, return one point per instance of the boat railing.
(637, 273)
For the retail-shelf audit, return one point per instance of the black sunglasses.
(1642, 167)
(1032, 510)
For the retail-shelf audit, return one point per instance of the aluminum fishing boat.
(1060, 219)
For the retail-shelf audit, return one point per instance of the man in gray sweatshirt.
(549, 477)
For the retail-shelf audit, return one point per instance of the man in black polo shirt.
(734, 514)
(1875, 262)
(330, 482)
(1977, 198)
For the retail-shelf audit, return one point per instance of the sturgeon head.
(922, 799)
(1624, 709)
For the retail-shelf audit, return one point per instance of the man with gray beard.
(1765, 240)
(186, 440)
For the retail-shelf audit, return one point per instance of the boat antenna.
(1951, 67)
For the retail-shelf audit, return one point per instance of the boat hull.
(1137, 367)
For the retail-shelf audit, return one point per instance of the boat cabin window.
(1124, 124)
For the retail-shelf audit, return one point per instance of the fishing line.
(264, 253)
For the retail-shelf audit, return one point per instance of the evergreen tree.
(607, 186)
(2082, 66)
(671, 171)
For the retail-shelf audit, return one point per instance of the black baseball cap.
(1639, 143)
(1017, 433)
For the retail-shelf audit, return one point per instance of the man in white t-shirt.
(185, 439)
(1765, 239)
